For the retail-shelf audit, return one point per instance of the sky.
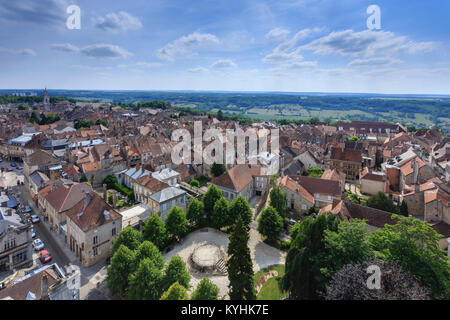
(231, 45)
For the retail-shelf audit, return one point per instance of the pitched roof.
(64, 197)
(334, 174)
(318, 185)
(349, 211)
(167, 194)
(297, 188)
(151, 183)
(351, 155)
(41, 158)
(20, 290)
(238, 177)
(89, 212)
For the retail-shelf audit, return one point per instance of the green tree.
(194, 212)
(295, 230)
(382, 202)
(122, 263)
(155, 231)
(220, 115)
(270, 223)
(239, 207)
(350, 243)
(304, 279)
(211, 196)
(176, 272)
(218, 169)
(146, 283)
(110, 181)
(404, 209)
(129, 237)
(206, 290)
(176, 222)
(195, 183)
(148, 250)
(415, 245)
(353, 139)
(175, 292)
(83, 179)
(278, 200)
(239, 264)
(220, 216)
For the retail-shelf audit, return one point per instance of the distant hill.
(419, 110)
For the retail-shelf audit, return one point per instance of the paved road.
(58, 255)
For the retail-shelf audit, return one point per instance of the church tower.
(46, 97)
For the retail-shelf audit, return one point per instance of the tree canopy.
(176, 222)
(155, 231)
(239, 264)
(206, 290)
(270, 223)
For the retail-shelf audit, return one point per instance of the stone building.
(92, 224)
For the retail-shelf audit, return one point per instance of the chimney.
(44, 287)
(415, 164)
(105, 194)
(114, 199)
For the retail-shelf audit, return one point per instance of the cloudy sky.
(233, 45)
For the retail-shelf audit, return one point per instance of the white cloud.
(65, 47)
(115, 22)
(105, 51)
(186, 44)
(223, 64)
(198, 70)
(24, 52)
(374, 62)
(287, 52)
(42, 12)
(365, 44)
(149, 64)
(277, 34)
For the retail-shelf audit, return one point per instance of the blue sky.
(235, 45)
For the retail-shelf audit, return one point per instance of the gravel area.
(262, 254)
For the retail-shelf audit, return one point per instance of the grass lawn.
(271, 288)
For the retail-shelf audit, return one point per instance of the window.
(10, 243)
(113, 232)
(174, 202)
(94, 252)
(95, 240)
(303, 206)
(329, 198)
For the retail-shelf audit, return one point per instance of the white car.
(38, 245)
(35, 218)
(33, 233)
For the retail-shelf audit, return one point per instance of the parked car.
(35, 218)
(33, 233)
(38, 244)
(9, 169)
(13, 164)
(45, 256)
(19, 168)
(27, 209)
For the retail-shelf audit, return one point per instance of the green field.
(271, 289)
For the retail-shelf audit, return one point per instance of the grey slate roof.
(167, 194)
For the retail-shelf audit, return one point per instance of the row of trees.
(138, 272)
(44, 119)
(324, 250)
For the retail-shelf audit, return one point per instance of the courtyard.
(262, 255)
